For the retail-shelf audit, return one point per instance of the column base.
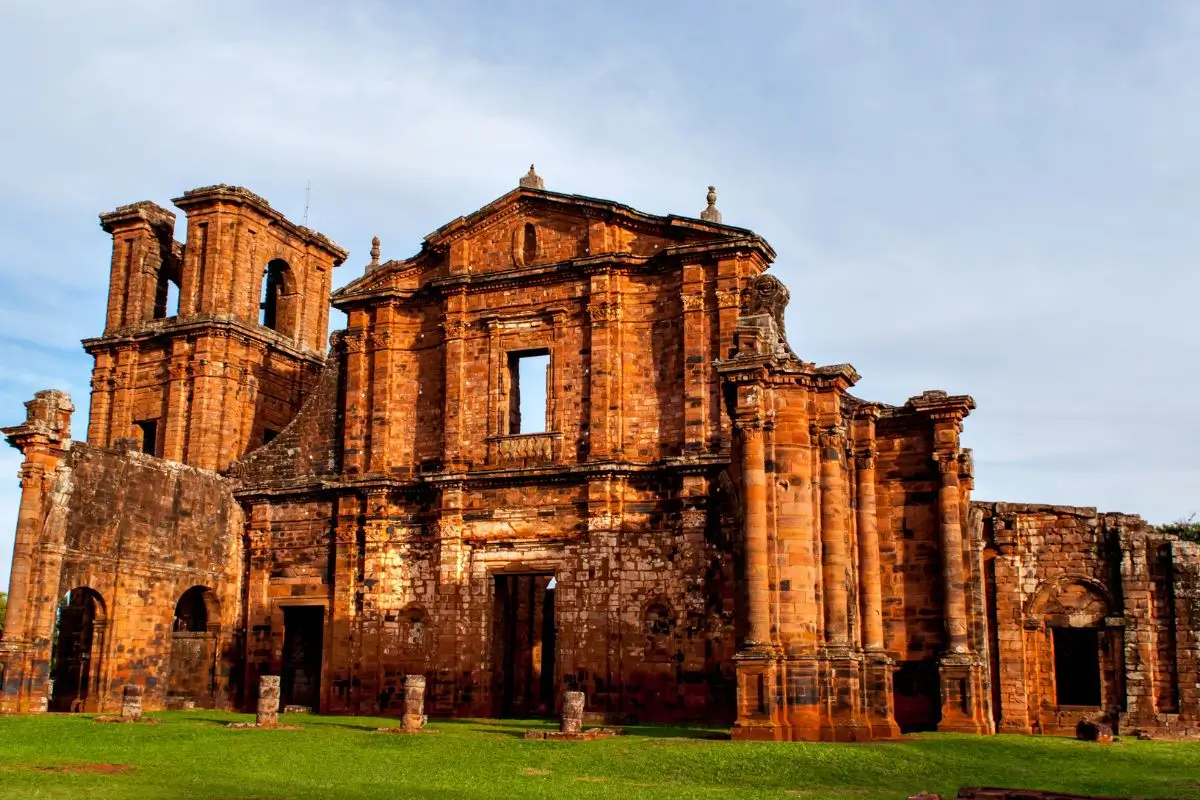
(963, 707)
(878, 668)
(759, 704)
(842, 690)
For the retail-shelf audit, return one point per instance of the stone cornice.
(143, 211)
(239, 195)
(573, 473)
(173, 327)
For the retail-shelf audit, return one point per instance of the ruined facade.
(695, 525)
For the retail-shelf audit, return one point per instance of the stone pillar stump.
(131, 703)
(414, 704)
(268, 701)
(572, 714)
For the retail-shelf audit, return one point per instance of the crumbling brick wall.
(133, 534)
(1068, 580)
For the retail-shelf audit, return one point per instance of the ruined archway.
(1073, 655)
(76, 661)
(195, 655)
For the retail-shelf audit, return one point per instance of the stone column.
(42, 440)
(414, 704)
(754, 500)
(131, 702)
(454, 332)
(952, 556)
(877, 672)
(833, 538)
(354, 426)
(268, 701)
(960, 670)
(868, 553)
(572, 715)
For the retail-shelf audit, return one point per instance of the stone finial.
(711, 214)
(531, 180)
(374, 252)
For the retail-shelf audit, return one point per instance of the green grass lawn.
(192, 755)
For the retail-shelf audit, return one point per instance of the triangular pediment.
(527, 228)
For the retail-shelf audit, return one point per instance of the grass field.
(192, 755)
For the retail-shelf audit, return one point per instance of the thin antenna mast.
(307, 196)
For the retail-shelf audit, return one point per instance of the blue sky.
(998, 199)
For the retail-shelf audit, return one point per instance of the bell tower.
(210, 345)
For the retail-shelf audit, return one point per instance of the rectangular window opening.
(149, 429)
(529, 384)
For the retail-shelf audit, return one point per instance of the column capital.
(831, 436)
(453, 328)
(947, 463)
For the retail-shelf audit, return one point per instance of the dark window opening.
(1077, 666)
(529, 384)
(191, 613)
(149, 429)
(166, 296)
(272, 289)
(530, 244)
(269, 435)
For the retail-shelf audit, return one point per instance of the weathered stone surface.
(572, 713)
(268, 701)
(131, 703)
(414, 703)
(1091, 731)
(699, 526)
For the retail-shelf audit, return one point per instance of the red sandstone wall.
(1059, 567)
(139, 532)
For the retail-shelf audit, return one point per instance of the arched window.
(530, 244)
(191, 612)
(272, 288)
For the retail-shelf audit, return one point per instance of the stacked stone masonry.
(700, 526)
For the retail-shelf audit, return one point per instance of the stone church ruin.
(700, 526)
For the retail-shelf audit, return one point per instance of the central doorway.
(303, 637)
(524, 641)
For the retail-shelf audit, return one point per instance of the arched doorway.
(1076, 657)
(195, 667)
(76, 654)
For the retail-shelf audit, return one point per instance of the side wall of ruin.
(1095, 615)
(124, 536)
